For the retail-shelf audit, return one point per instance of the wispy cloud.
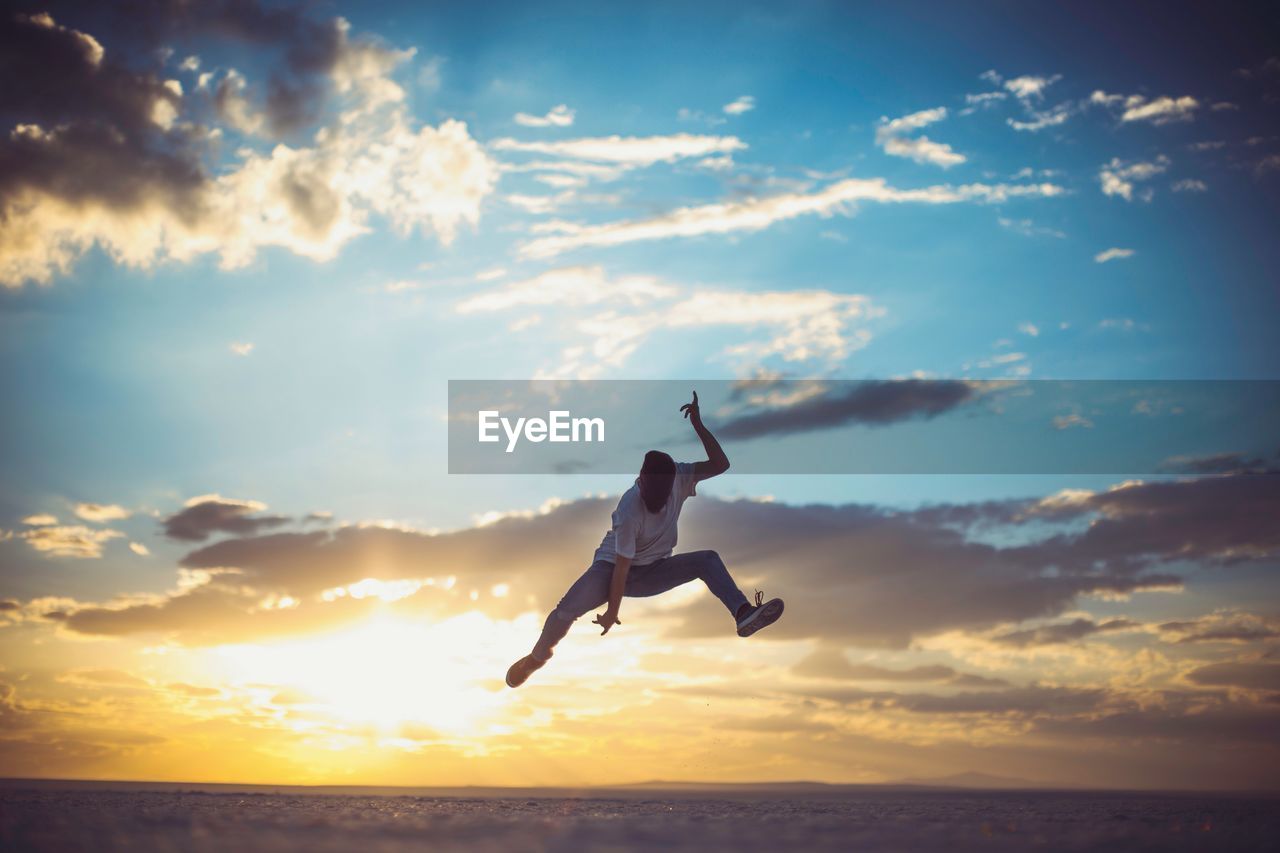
(873, 403)
(1040, 119)
(628, 150)
(1063, 632)
(573, 286)
(101, 512)
(557, 116)
(891, 136)
(1072, 421)
(1118, 177)
(1162, 110)
(1030, 86)
(1028, 228)
(741, 105)
(68, 540)
(794, 326)
(1112, 254)
(756, 214)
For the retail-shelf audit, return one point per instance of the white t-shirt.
(642, 535)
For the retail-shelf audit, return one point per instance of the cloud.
(241, 348)
(1072, 421)
(1268, 164)
(744, 104)
(1162, 110)
(1118, 177)
(1030, 86)
(40, 520)
(756, 214)
(104, 155)
(1189, 185)
(1254, 676)
(208, 514)
(571, 168)
(797, 325)
(716, 164)
(1216, 463)
(557, 116)
(575, 286)
(832, 664)
(101, 512)
(859, 574)
(1223, 626)
(1061, 632)
(68, 540)
(1125, 324)
(1028, 228)
(985, 99)
(1040, 119)
(1029, 329)
(628, 151)
(1112, 254)
(871, 403)
(1029, 89)
(139, 549)
(889, 136)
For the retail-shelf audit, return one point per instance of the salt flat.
(45, 818)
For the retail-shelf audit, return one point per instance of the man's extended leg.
(662, 575)
(587, 593)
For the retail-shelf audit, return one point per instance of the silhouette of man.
(635, 557)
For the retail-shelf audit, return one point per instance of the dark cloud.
(832, 664)
(1256, 676)
(873, 403)
(91, 136)
(1018, 701)
(1062, 632)
(1196, 720)
(199, 521)
(1223, 627)
(110, 139)
(853, 574)
(305, 47)
(8, 604)
(1218, 463)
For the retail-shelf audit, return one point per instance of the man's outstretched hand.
(606, 620)
(692, 411)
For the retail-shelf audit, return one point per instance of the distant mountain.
(956, 780)
(976, 780)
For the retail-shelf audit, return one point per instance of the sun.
(386, 672)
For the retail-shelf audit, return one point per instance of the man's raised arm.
(717, 462)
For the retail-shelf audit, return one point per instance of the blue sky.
(258, 291)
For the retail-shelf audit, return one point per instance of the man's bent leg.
(660, 576)
(587, 593)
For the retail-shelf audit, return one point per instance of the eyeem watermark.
(869, 426)
(559, 426)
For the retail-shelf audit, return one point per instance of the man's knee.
(709, 559)
(565, 615)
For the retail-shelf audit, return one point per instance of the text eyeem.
(559, 426)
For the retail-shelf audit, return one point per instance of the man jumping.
(635, 558)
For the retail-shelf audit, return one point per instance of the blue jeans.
(591, 591)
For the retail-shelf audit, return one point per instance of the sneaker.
(760, 615)
(521, 670)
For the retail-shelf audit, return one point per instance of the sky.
(245, 247)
